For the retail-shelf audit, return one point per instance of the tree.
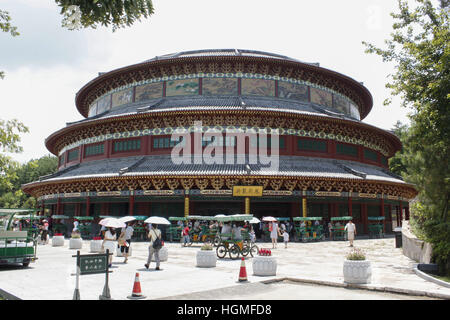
(5, 26)
(11, 195)
(419, 47)
(118, 13)
(9, 142)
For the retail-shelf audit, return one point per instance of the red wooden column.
(88, 206)
(131, 205)
(364, 216)
(401, 213)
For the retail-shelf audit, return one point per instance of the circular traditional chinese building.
(118, 160)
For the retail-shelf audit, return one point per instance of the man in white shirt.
(351, 232)
(153, 234)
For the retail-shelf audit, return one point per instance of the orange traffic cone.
(243, 272)
(136, 294)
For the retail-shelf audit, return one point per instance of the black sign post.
(91, 264)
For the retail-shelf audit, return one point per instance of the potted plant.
(264, 264)
(58, 240)
(206, 257)
(75, 241)
(357, 269)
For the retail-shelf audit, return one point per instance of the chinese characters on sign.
(93, 264)
(247, 191)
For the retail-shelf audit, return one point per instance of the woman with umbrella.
(109, 241)
(274, 231)
(155, 239)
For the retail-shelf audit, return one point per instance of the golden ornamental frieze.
(290, 184)
(166, 123)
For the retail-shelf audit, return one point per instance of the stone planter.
(357, 271)
(163, 254)
(119, 253)
(206, 258)
(75, 243)
(96, 245)
(58, 241)
(264, 266)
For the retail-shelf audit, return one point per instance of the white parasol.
(127, 219)
(254, 220)
(157, 220)
(269, 219)
(112, 223)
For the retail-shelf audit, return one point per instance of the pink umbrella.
(112, 223)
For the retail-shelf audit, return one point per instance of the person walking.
(285, 238)
(351, 232)
(330, 230)
(125, 240)
(274, 234)
(185, 235)
(109, 243)
(154, 246)
(44, 235)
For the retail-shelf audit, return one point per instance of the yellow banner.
(247, 191)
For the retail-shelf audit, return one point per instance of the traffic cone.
(136, 294)
(243, 272)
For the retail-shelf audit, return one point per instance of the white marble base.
(96, 246)
(75, 243)
(357, 271)
(206, 258)
(58, 241)
(264, 266)
(163, 254)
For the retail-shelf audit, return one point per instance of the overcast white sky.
(46, 65)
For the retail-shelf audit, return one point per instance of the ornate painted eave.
(204, 64)
(159, 118)
(219, 182)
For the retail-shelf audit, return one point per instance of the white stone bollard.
(206, 258)
(58, 241)
(163, 254)
(75, 243)
(357, 271)
(96, 245)
(264, 266)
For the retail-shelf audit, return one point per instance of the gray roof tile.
(163, 165)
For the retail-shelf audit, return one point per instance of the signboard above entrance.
(247, 191)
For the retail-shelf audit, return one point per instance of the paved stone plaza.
(305, 271)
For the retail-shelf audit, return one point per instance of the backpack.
(157, 244)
